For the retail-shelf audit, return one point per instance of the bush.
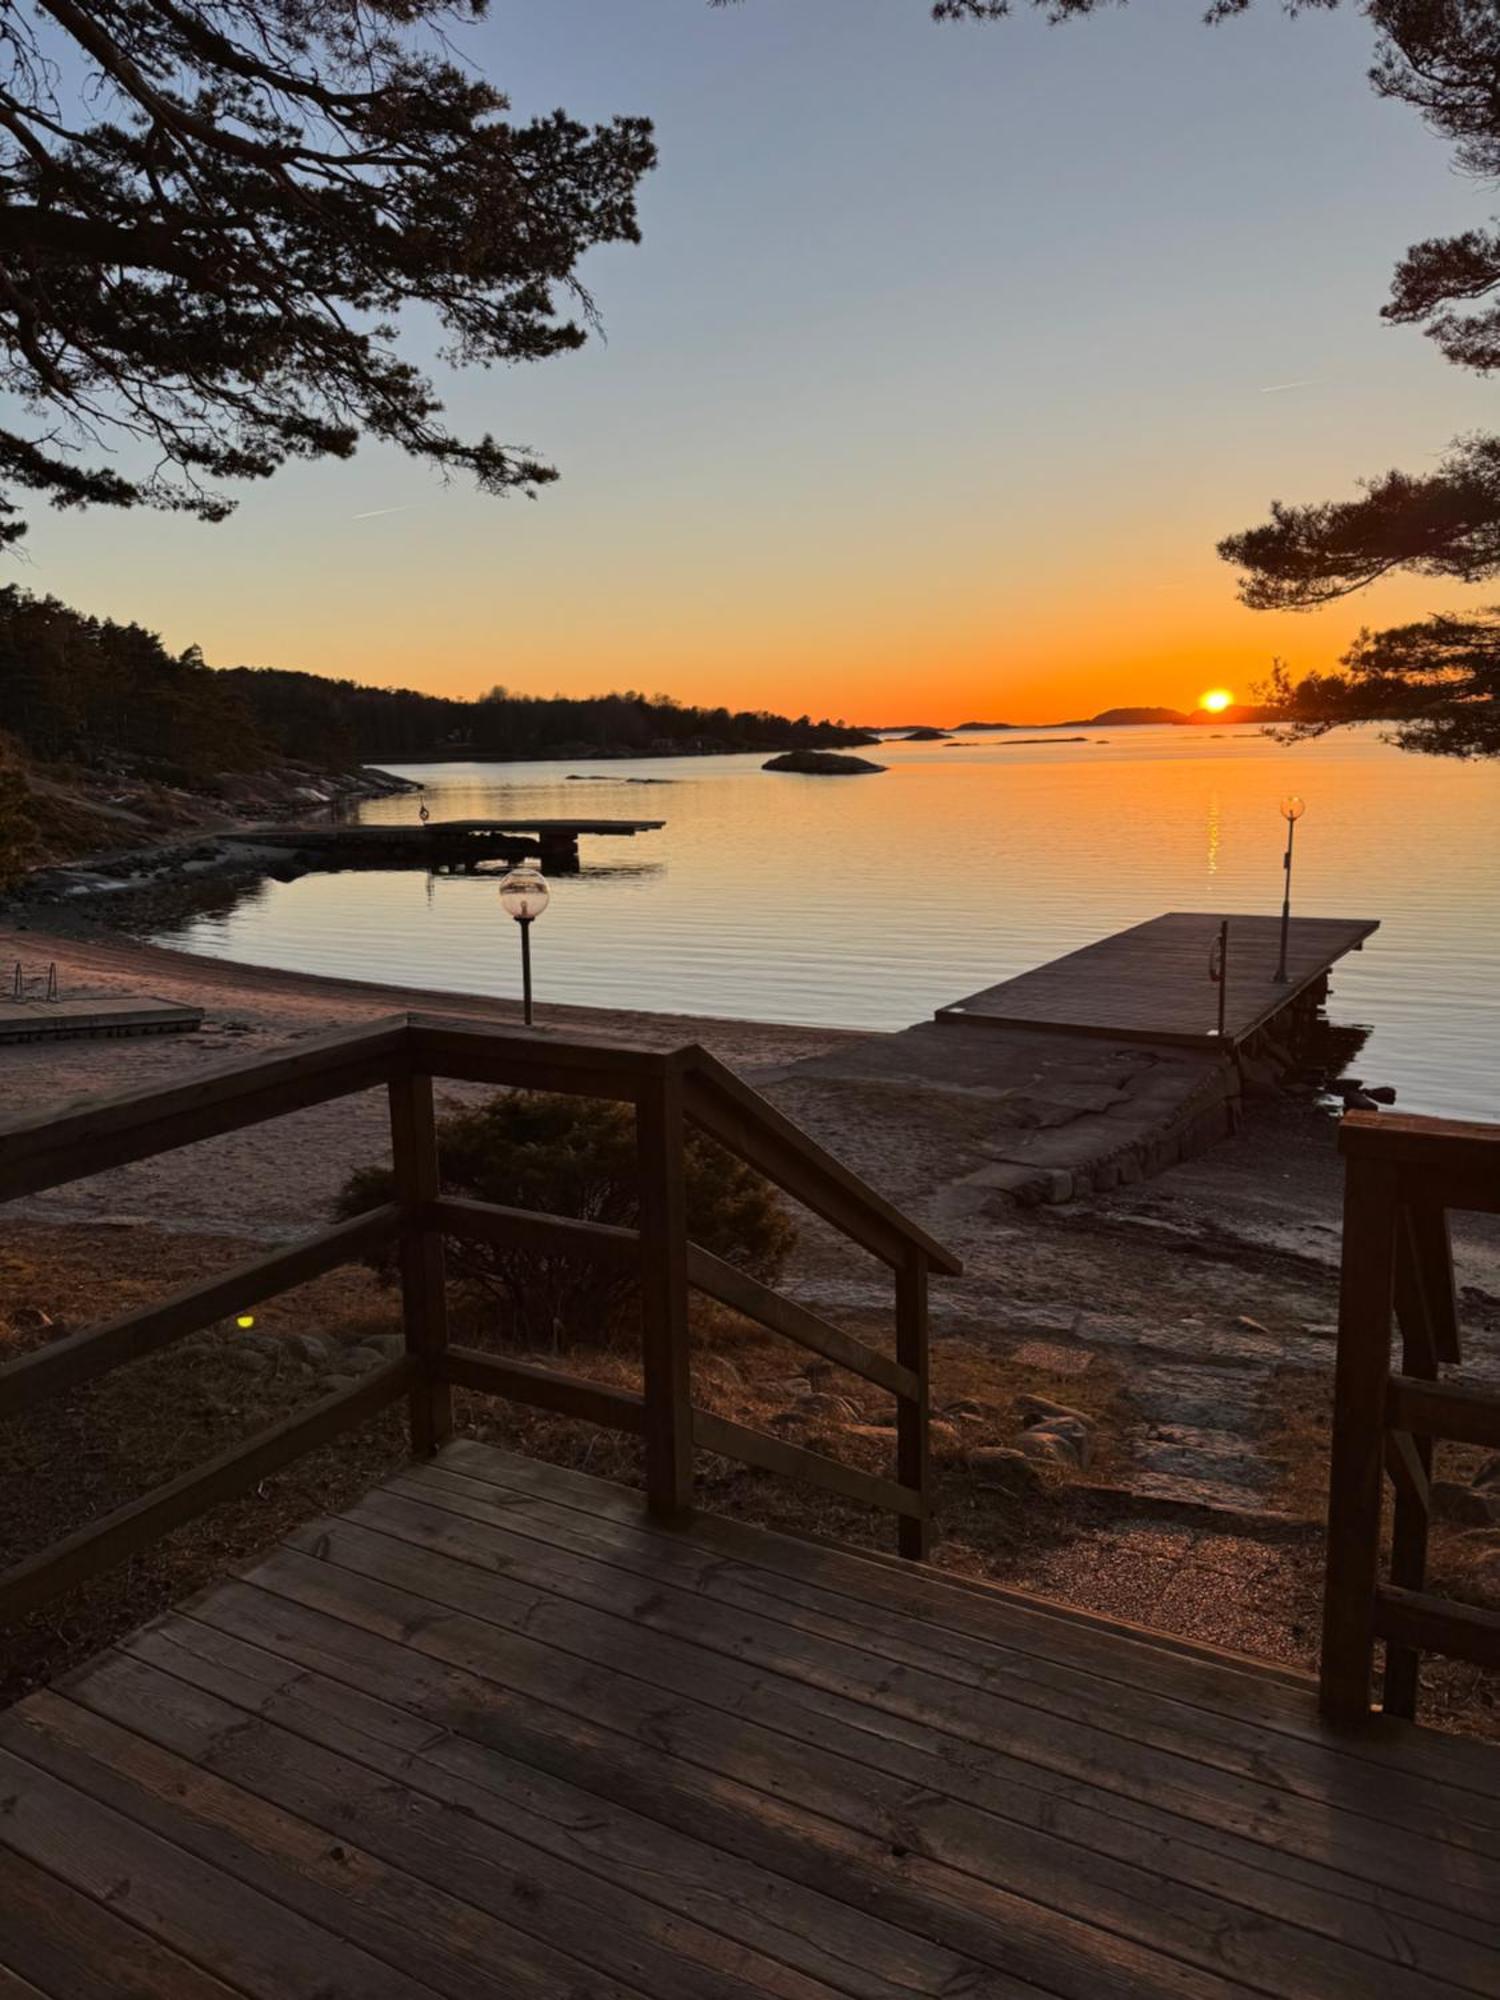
(577, 1156)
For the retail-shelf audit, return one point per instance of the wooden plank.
(743, 1294)
(47, 1150)
(67, 1363)
(913, 1458)
(140, 1522)
(665, 1337)
(1463, 1412)
(65, 1020)
(1015, 1935)
(484, 1053)
(809, 1468)
(424, 1279)
(952, 1619)
(721, 1104)
(1362, 1370)
(1434, 1251)
(1408, 1473)
(1150, 983)
(254, 1943)
(828, 1812)
(545, 1389)
(715, 1604)
(814, 1934)
(1406, 1139)
(1439, 1625)
(74, 1948)
(455, 1909)
(534, 1229)
(975, 1863)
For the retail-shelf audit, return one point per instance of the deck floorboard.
(490, 1731)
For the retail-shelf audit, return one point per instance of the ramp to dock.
(1152, 983)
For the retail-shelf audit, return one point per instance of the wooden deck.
(490, 1732)
(66, 1020)
(1151, 983)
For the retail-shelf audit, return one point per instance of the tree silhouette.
(214, 215)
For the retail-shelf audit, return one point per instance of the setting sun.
(1217, 699)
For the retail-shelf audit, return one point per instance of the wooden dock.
(1152, 983)
(457, 845)
(491, 1732)
(69, 1020)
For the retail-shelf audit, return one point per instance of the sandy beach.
(269, 1180)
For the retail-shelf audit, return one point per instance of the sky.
(948, 355)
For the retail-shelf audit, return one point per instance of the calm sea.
(866, 902)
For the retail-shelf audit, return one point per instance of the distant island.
(1138, 718)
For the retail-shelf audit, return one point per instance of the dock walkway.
(491, 1732)
(444, 844)
(1152, 984)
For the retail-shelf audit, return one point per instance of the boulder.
(1465, 1506)
(1007, 1471)
(1033, 1407)
(312, 1348)
(821, 764)
(1052, 1447)
(361, 1360)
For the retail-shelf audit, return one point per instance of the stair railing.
(668, 1091)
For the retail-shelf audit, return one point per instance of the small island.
(821, 764)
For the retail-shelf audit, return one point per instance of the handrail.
(726, 1107)
(1402, 1175)
(404, 1054)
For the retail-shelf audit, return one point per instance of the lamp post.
(1292, 809)
(524, 895)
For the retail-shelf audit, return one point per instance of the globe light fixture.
(1292, 809)
(524, 895)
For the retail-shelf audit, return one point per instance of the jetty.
(1156, 983)
(1101, 1068)
(94, 1019)
(451, 846)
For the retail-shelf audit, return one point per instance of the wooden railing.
(667, 1091)
(1403, 1175)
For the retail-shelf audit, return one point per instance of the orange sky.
(934, 430)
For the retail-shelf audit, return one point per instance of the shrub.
(17, 832)
(577, 1156)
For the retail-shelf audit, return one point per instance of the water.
(866, 902)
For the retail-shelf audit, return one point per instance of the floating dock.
(445, 846)
(1153, 983)
(71, 1020)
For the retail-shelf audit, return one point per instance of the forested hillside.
(89, 691)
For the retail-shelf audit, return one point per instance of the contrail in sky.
(1275, 388)
(374, 512)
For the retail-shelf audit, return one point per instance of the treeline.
(91, 691)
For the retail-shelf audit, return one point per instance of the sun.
(1217, 700)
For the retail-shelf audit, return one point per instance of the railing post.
(1366, 1302)
(424, 1292)
(1419, 1357)
(664, 1299)
(913, 1460)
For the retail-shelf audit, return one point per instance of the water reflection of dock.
(452, 846)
